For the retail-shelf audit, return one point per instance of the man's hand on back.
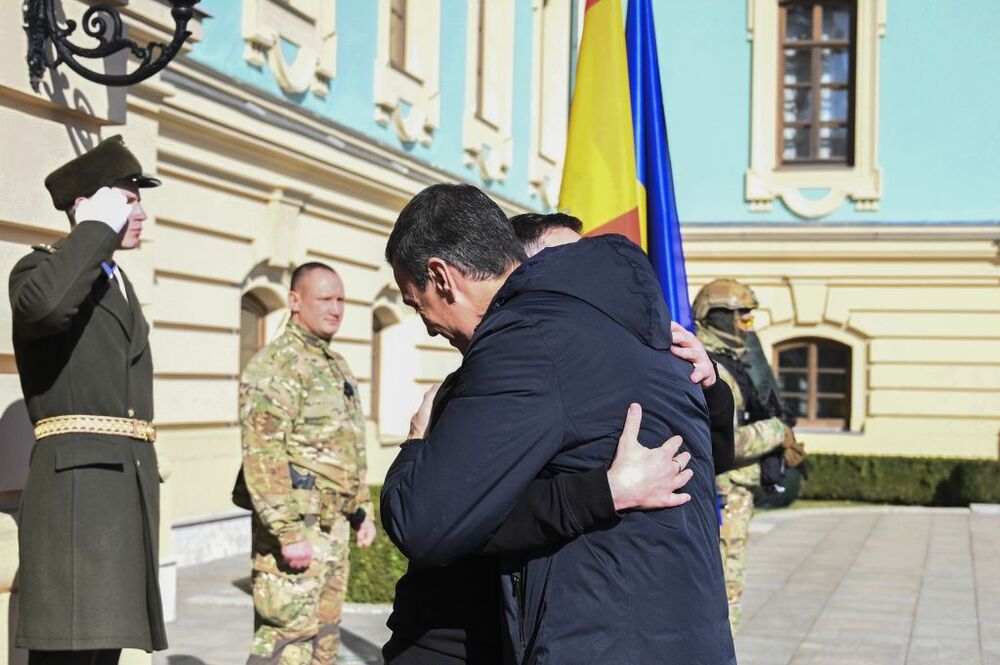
(688, 347)
(647, 478)
(420, 419)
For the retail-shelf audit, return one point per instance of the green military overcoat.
(90, 508)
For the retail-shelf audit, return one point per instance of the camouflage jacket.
(299, 404)
(754, 440)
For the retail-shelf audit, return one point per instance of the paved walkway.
(846, 587)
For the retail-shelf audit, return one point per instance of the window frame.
(815, 48)
(252, 304)
(813, 371)
(796, 187)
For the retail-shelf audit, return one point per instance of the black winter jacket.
(571, 339)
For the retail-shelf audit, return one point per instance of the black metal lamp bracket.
(104, 24)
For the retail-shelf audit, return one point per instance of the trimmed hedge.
(912, 481)
(375, 570)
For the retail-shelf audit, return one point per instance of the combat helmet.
(724, 294)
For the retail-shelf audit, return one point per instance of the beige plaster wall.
(919, 307)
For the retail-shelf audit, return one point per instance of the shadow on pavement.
(362, 648)
(184, 660)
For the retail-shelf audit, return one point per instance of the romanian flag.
(617, 174)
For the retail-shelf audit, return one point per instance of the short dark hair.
(301, 271)
(458, 224)
(530, 226)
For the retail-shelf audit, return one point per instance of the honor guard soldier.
(304, 469)
(723, 313)
(89, 519)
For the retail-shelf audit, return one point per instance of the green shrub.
(915, 481)
(375, 570)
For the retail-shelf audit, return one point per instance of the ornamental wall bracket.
(546, 189)
(491, 163)
(104, 24)
(413, 124)
(308, 31)
(408, 93)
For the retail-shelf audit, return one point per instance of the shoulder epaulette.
(45, 247)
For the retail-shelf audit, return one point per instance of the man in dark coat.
(554, 351)
(89, 516)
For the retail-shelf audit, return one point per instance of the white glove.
(107, 205)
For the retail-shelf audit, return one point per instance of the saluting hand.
(107, 205)
(647, 478)
(690, 348)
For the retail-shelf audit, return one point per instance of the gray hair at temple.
(458, 224)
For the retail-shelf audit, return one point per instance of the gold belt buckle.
(143, 431)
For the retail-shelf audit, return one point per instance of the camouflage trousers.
(733, 541)
(297, 614)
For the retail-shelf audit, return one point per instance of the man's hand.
(418, 423)
(647, 478)
(297, 555)
(107, 205)
(366, 533)
(795, 452)
(688, 347)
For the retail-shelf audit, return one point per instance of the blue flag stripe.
(652, 156)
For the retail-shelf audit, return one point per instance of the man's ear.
(294, 302)
(441, 278)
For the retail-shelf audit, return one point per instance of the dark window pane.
(794, 382)
(831, 383)
(797, 405)
(834, 356)
(831, 407)
(833, 143)
(798, 65)
(796, 357)
(836, 65)
(796, 143)
(798, 104)
(799, 27)
(836, 23)
(833, 104)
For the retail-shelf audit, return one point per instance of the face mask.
(723, 322)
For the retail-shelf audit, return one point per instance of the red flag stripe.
(626, 225)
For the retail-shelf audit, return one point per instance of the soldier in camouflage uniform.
(304, 469)
(722, 312)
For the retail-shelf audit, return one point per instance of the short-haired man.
(538, 231)
(304, 469)
(89, 522)
(552, 353)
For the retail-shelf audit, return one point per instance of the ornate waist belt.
(130, 427)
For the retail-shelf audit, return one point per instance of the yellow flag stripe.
(599, 180)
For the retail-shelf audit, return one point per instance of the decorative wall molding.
(552, 27)
(309, 27)
(410, 100)
(766, 179)
(488, 126)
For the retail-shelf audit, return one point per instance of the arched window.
(814, 376)
(253, 330)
